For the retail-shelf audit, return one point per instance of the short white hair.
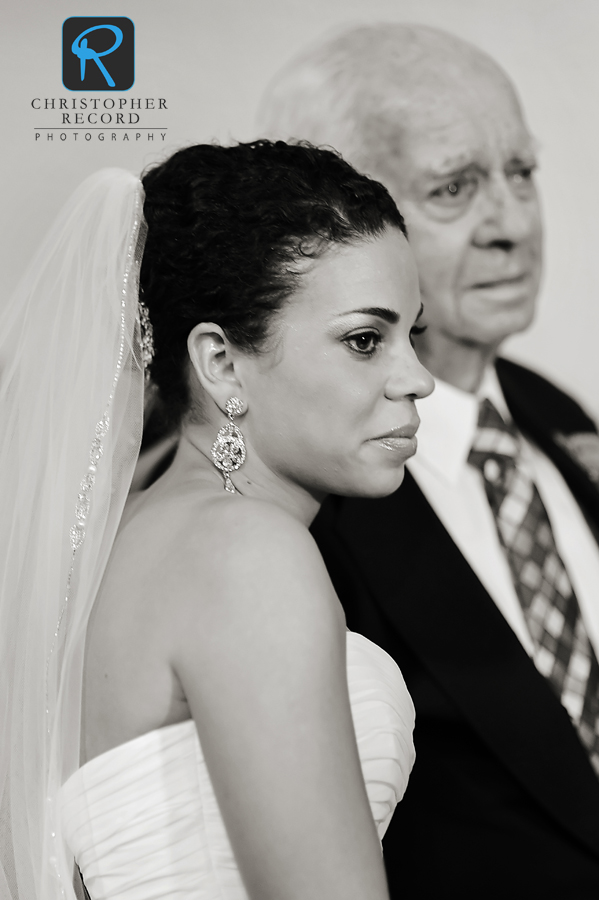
(348, 91)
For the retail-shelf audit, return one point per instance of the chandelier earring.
(228, 450)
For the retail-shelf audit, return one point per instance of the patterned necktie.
(562, 651)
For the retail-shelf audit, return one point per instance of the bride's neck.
(193, 463)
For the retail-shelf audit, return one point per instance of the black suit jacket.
(503, 801)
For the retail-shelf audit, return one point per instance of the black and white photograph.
(299, 453)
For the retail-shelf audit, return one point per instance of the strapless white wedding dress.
(142, 819)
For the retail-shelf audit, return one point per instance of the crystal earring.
(228, 450)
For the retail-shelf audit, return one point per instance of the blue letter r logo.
(84, 53)
(98, 53)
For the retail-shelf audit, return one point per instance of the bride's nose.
(410, 379)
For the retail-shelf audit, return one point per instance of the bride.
(182, 710)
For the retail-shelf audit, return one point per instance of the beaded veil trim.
(84, 501)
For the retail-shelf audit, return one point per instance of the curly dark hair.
(227, 227)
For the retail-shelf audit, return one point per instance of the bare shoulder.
(252, 562)
(249, 545)
(256, 532)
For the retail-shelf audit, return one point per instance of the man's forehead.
(447, 132)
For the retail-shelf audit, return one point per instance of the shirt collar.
(448, 424)
(490, 389)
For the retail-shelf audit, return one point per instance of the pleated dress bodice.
(143, 821)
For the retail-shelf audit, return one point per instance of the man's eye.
(522, 179)
(366, 342)
(522, 175)
(455, 192)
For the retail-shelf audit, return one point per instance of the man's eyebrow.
(452, 168)
(389, 315)
(524, 159)
(420, 311)
(461, 165)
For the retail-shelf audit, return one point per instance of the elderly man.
(481, 575)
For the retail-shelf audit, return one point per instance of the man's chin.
(499, 325)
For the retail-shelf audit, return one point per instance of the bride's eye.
(364, 342)
(417, 329)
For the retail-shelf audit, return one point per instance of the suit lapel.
(404, 552)
(541, 411)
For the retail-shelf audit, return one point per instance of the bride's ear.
(213, 362)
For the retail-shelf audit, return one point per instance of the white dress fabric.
(142, 819)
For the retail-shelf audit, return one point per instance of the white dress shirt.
(456, 492)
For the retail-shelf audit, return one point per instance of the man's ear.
(213, 361)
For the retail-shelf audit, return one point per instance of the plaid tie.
(562, 651)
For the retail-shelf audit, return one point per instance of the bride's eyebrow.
(389, 315)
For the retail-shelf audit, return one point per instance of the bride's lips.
(400, 440)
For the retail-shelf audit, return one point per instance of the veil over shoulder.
(71, 409)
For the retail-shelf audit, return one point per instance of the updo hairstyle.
(227, 227)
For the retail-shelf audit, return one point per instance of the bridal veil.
(71, 408)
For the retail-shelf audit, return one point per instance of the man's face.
(463, 179)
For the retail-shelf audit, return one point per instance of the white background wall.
(211, 59)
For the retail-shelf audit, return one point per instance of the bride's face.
(331, 404)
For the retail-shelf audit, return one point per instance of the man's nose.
(505, 219)
(411, 380)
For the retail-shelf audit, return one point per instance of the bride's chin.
(377, 484)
